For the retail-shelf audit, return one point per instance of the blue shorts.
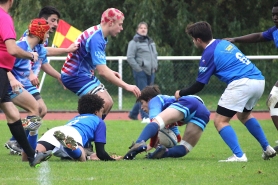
(194, 111)
(80, 85)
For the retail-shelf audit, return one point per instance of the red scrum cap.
(38, 27)
(111, 14)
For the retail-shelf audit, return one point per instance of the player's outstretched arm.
(101, 153)
(250, 38)
(60, 51)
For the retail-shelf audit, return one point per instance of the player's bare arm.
(59, 51)
(250, 38)
(109, 75)
(16, 51)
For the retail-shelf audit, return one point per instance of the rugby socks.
(256, 130)
(149, 131)
(103, 116)
(229, 136)
(176, 151)
(75, 154)
(18, 132)
(33, 140)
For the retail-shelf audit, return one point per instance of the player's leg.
(103, 93)
(166, 117)
(272, 104)
(42, 106)
(71, 141)
(26, 101)
(256, 88)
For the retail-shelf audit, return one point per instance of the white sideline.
(120, 67)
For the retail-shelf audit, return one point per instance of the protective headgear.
(111, 14)
(38, 28)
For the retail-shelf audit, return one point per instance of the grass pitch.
(199, 167)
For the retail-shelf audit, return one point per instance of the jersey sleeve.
(100, 133)
(268, 33)
(97, 50)
(7, 29)
(155, 107)
(206, 67)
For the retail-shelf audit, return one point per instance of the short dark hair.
(90, 104)
(148, 93)
(275, 4)
(47, 11)
(200, 30)
(3, 1)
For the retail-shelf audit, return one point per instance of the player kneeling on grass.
(163, 111)
(68, 140)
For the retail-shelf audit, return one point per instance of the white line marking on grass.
(44, 173)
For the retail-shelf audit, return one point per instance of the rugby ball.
(167, 138)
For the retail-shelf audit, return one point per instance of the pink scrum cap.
(111, 14)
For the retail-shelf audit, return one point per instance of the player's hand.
(34, 79)
(177, 94)
(94, 157)
(16, 86)
(229, 39)
(36, 56)
(116, 157)
(72, 48)
(60, 81)
(134, 89)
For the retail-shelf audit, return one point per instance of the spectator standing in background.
(142, 57)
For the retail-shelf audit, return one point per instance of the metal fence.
(174, 73)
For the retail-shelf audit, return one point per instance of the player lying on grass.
(163, 111)
(68, 140)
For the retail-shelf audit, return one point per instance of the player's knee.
(160, 122)
(187, 146)
(42, 111)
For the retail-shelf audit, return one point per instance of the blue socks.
(229, 136)
(149, 131)
(176, 151)
(33, 140)
(75, 154)
(256, 130)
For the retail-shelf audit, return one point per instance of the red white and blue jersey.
(224, 60)
(91, 52)
(22, 67)
(271, 34)
(91, 128)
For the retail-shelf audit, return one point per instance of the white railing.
(120, 66)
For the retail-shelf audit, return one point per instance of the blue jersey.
(159, 103)
(224, 60)
(35, 66)
(91, 52)
(22, 67)
(90, 127)
(271, 34)
(194, 110)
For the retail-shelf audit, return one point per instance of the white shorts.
(48, 137)
(242, 93)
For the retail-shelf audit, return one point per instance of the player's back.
(230, 63)
(87, 124)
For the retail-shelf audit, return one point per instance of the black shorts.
(4, 81)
